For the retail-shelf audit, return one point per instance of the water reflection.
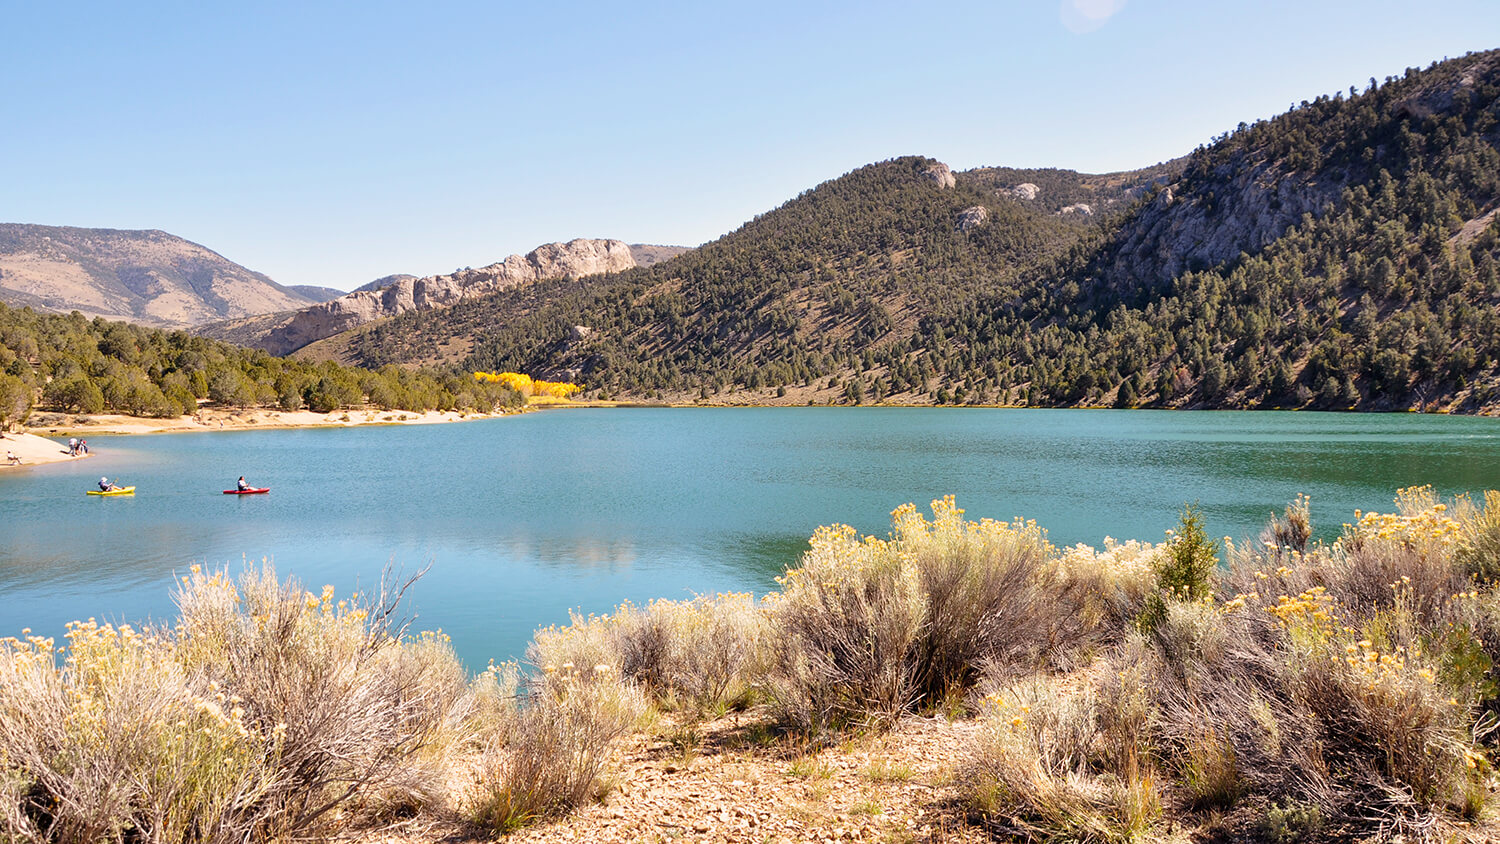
(525, 518)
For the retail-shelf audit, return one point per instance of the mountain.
(646, 254)
(796, 294)
(284, 333)
(1341, 255)
(315, 293)
(382, 283)
(148, 277)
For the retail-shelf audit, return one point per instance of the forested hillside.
(795, 295)
(77, 365)
(1339, 255)
(1383, 296)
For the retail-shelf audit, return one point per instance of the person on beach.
(83, 446)
(106, 486)
(11, 458)
(242, 484)
(73, 446)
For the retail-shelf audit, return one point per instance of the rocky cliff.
(1251, 205)
(284, 334)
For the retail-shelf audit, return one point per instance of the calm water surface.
(523, 518)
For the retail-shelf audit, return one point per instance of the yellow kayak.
(124, 490)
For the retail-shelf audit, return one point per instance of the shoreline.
(43, 440)
(70, 425)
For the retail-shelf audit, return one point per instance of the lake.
(522, 518)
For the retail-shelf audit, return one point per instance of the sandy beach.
(32, 450)
(46, 434)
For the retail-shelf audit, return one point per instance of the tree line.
(69, 363)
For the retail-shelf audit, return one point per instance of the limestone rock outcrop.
(940, 174)
(1177, 230)
(1025, 190)
(1082, 209)
(574, 259)
(973, 217)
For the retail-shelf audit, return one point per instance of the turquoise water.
(523, 518)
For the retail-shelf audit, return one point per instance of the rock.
(1025, 190)
(940, 174)
(972, 217)
(574, 259)
(1081, 208)
(579, 333)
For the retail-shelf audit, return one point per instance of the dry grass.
(555, 748)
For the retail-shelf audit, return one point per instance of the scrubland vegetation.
(1276, 690)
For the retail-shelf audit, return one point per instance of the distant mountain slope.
(646, 254)
(148, 277)
(1341, 255)
(383, 282)
(315, 293)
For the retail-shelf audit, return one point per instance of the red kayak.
(250, 491)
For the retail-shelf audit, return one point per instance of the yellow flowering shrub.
(118, 733)
(1309, 617)
(868, 627)
(261, 712)
(1478, 551)
(845, 621)
(1112, 584)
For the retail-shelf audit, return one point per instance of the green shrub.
(1295, 823)
(1185, 572)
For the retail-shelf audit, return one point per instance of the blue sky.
(332, 143)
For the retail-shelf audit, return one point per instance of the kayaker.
(242, 484)
(105, 485)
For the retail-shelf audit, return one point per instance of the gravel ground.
(728, 781)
